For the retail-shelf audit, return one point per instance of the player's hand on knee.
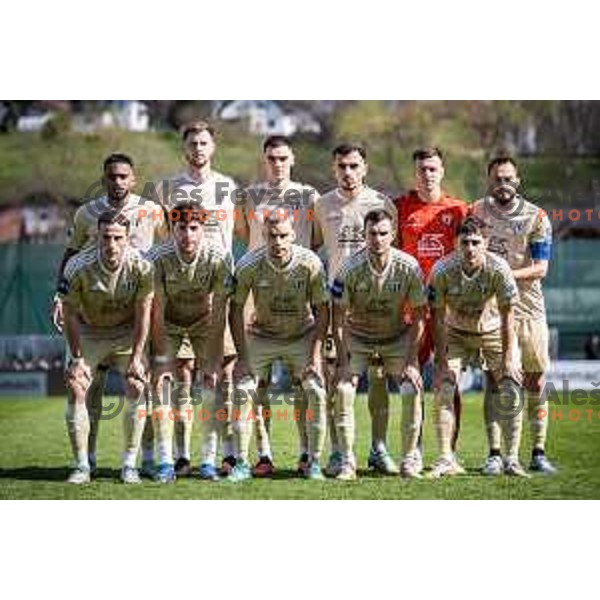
(136, 370)
(241, 370)
(210, 379)
(343, 373)
(511, 371)
(314, 368)
(413, 375)
(57, 314)
(443, 374)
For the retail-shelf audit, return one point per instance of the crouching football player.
(290, 319)
(193, 280)
(472, 293)
(370, 292)
(107, 304)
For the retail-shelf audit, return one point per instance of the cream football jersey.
(106, 299)
(342, 223)
(282, 296)
(519, 236)
(472, 301)
(295, 202)
(374, 300)
(187, 290)
(217, 195)
(147, 223)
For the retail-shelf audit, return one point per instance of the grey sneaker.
(540, 464)
(411, 466)
(79, 476)
(444, 466)
(492, 466)
(130, 475)
(513, 468)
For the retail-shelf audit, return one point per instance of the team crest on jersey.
(297, 284)
(518, 227)
(447, 219)
(393, 287)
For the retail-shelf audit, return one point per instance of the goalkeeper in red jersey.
(428, 219)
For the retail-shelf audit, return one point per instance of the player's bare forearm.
(537, 270)
(68, 253)
(241, 229)
(72, 330)
(414, 334)
(141, 327)
(238, 333)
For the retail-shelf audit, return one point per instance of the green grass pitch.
(34, 455)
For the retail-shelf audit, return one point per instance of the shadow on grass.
(34, 473)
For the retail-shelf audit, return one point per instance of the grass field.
(34, 455)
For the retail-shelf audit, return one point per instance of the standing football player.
(279, 195)
(289, 321)
(427, 221)
(521, 233)
(217, 195)
(369, 294)
(473, 294)
(147, 227)
(339, 227)
(107, 291)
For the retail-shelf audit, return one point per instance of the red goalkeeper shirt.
(427, 230)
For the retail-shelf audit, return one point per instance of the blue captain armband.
(337, 289)
(541, 250)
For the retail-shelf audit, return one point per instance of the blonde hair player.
(217, 194)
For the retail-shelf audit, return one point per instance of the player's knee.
(134, 387)
(533, 382)
(77, 386)
(445, 394)
(407, 388)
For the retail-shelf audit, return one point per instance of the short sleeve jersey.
(472, 302)
(283, 297)
(217, 196)
(375, 301)
(106, 299)
(342, 223)
(147, 223)
(519, 237)
(187, 290)
(295, 202)
(427, 230)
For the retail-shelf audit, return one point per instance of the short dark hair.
(276, 141)
(472, 225)
(197, 126)
(429, 152)
(187, 211)
(118, 158)
(503, 159)
(349, 147)
(114, 217)
(376, 216)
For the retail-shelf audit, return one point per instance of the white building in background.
(267, 117)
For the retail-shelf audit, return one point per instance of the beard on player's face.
(504, 193)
